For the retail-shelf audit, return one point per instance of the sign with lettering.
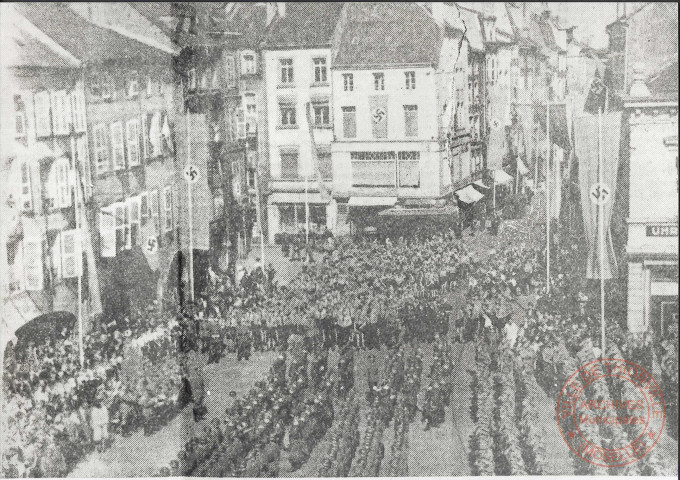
(662, 230)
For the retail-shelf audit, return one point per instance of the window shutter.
(33, 264)
(117, 146)
(63, 186)
(144, 211)
(56, 257)
(155, 135)
(240, 123)
(127, 207)
(145, 136)
(43, 124)
(61, 113)
(107, 232)
(154, 210)
(230, 71)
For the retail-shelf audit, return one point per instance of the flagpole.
(259, 211)
(547, 196)
(81, 353)
(191, 217)
(306, 210)
(600, 208)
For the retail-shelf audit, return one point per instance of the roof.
(25, 46)
(305, 24)
(81, 38)
(158, 13)
(466, 20)
(375, 34)
(249, 19)
(665, 81)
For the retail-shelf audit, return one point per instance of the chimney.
(639, 89)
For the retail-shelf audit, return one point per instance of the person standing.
(100, 425)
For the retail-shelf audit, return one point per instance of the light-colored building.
(296, 55)
(389, 92)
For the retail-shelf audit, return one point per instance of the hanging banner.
(378, 110)
(593, 192)
(559, 130)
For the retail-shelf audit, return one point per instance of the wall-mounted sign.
(662, 230)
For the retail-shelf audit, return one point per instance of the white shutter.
(77, 98)
(230, 71)
(63, 185)
(43, 124)
(132, 140)
(155, 135)
(107, 232)
(61, 113)
(240, 123)
(33, 264)
(127, 206)
(117, 146)
(71, 256)
(145, 136)
(101, 148)
(133, 205)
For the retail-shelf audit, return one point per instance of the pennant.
(378, 112)
(586, 149)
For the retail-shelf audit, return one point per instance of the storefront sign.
(662, 230)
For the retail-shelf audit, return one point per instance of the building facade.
(296, 57)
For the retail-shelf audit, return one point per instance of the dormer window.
(248, 64)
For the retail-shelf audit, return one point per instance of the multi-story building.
(296, 62)
(389, 92)
(129, 169)
(44, 167)
(643, 71)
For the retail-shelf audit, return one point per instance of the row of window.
(126, 144)
(321, 115)
(386, 169)
(25, 261)
(290, 164)
(379, 121)
(287, 71)
(378, 81)
(56, 113)
(122, 224)
(210, 78)
(103, 87)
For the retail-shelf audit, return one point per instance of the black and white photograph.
(338, 239)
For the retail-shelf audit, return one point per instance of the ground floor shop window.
(292, 217)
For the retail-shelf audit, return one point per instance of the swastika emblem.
(379, 114)
(191, 174)
(600, 193)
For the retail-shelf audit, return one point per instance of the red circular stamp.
(611, 412)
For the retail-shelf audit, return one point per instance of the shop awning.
(469, 194)
(450, 210)
(372, 201)
(501, 177)
(479, 183)
(296, 197)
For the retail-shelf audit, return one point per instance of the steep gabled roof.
(250, 20)
(304, 25)
(377, 34)
(462, 18)
(81, 38)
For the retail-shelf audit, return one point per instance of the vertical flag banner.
(378, 111)
(325, 194)
(586, 145)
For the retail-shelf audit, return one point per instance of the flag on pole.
(325, 194)
(559, 130)
(592, 191)
(597, 95)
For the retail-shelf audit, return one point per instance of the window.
(144, 210)
(71, 257)
(411, 120)
(373, 169)
(15, 281)
(321, 115)
(78, 110)
(248, 64)
(132, 85)
(121, 219)
(134, 214)
(33, 264)
(286, 65)
(349, 122)
(132, 140)
(289, 165)
(43, 124)
(117, 146)
(379, 81)
(154, 206)
(323, 156)
(20, 117)
(153, 86)
(206, 77)
(250, 107)
(230, 71)
(63, 187)
(107, 232)
(145, 136)
(26, 193)
(410, 80)
(409, 169)
(167, 208)
(101, 148)
(155, 137)
(348, 81)
(288, 115)
(215, 80)
(191, 81)
(320, 70)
